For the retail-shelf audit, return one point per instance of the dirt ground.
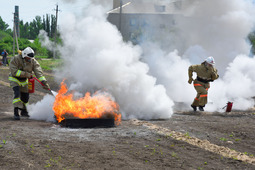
(185, 141)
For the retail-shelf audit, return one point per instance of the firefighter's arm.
(190, 72)
(39, 74)
(16, 72)
(214, 74)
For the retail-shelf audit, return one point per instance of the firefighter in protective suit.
(21, 68)
(206, 72)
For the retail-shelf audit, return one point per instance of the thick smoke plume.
(209, 28)
(147, 80)
(219, 27)
(97, 58)
(42, 110)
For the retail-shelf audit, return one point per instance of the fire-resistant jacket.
(204, 74)
(19, 68)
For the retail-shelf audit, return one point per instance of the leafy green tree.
(23, 43)
(29, 31)
(34, 27)
(3, 34)
(47, 25)
(53, 25)
(24, 29)
(44, 23)
(39, 49)
(6, 41)
(3, 25)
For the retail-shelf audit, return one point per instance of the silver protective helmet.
(210, 60)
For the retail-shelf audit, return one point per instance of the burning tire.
(88, 123)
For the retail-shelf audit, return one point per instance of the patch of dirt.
(135, 144)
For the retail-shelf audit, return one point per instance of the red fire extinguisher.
(229, 106)
(31, 85)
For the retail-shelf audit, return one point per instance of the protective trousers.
(202, 90)
(21, 97)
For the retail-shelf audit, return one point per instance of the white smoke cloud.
(97, 58)
(217, 28)
(42, 110)
(171, 71)
(220, 28)
(237, 84)
(45, 40)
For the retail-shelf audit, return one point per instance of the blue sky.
(28, 9)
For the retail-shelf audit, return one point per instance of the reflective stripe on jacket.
(19, 67)
(21, 83)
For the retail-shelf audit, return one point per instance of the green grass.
(46, 63)
(41, 57)
(223, 139)
(50, 64)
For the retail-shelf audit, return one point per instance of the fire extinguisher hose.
(53, 92)
(40, 82)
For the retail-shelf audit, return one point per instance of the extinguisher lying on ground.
(228, 106)
(31, 86)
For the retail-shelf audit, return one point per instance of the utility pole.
(15, 36)
(16, 31)
(13, 47)
(55, 35)
(121, 3)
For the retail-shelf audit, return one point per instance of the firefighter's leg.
(196, 101)
(16, 102)
(24, 97)
(202, 98)
(198, 87)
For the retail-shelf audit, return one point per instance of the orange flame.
(100, 105)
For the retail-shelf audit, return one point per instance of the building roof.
(153, 6)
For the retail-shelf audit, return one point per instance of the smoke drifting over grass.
(146, 80)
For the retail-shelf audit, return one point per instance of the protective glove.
(28, 75)
(190, 80)
(46, 85)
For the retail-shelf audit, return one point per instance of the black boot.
(194, 108)
(24, 113)
(201, 108)
(16, 114)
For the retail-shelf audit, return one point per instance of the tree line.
(30, 31)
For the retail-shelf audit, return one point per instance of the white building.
(138, 20)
